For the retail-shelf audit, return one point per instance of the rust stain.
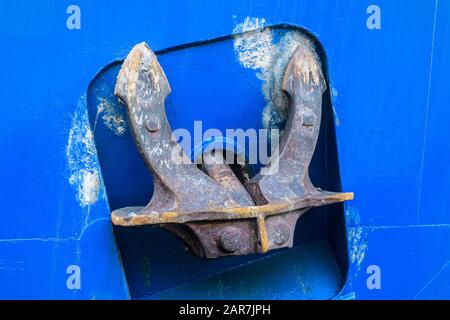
(263, 238)
(249, 212)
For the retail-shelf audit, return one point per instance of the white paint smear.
(112, 118)
(256, 49)
(82, 158)
(358, 246)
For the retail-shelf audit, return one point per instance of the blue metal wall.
(390, 104)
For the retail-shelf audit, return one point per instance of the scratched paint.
(352, 216)
(334, 96)
(81, 157)
(253, 44)
(256, 48)
(111, 115)
(357, 241)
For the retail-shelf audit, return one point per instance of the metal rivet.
(231, 239)
(281, 233)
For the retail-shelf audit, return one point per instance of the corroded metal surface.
(211, 210)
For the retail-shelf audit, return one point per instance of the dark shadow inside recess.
(210, 85)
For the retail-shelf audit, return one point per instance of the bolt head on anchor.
(231, 239)
(281, 233)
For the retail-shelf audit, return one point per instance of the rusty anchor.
(210, 210)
